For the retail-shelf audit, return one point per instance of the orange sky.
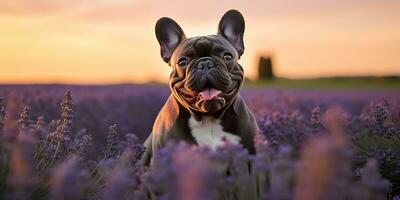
(113, 41)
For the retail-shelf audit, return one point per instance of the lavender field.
(84, 142)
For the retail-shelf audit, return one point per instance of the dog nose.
(205, 63)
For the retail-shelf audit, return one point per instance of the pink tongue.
(210, 93)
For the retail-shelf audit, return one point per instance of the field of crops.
(84, 142)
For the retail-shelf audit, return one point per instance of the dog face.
(206, 75)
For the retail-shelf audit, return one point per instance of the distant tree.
(265, 68)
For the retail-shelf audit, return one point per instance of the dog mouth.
(207, 94)
(207, 100)
(210, 96)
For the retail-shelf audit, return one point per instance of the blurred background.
(113, 41)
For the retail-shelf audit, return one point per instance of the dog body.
(205, 107)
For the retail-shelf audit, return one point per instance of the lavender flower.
(174, 170)
(60, 139)
(66, 113)
(2, 115)
(112, 144)
(317, 170)
(316, 118)
(22, 175)
(381, 115)
(284, 128)
(263, 154)
(261, 164)
(371, 186)
(192, 165)
(325, 167)
(24, 120)
(239, 168)
(68, 181)
(53, 125)
(58, 142)
(81, 143)
(40, 123)
(132, 144)
(117, 185)
(282, 175)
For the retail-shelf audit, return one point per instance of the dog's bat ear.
(169, 34)
(231, 27)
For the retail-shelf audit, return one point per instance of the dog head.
(206, 75)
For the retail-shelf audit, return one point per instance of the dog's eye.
(183, 62)
(228, 57)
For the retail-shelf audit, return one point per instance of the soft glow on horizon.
(88, 42)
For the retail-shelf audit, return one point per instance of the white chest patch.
(208, 132)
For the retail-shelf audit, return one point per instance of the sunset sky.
(113, 41)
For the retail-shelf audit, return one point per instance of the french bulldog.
(205, 107)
